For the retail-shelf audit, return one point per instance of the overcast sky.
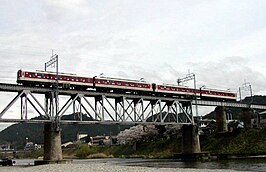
(221, 41)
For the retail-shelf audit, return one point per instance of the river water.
(241, 165)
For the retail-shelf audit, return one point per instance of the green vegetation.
(158, 149)
(84, 150)
(245, 142)
(31, 154)
(23, 154)
(154, 149)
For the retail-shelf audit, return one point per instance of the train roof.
(60, 73)
(125, 80)
(173, 85)
(50, 72)
(224, 91)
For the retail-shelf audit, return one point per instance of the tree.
(139, 133)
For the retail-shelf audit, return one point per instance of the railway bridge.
(109, 108)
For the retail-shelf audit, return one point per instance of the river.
(239, 165)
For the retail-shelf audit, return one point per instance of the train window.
(40, 75)
(132, 84)
(74, 79)
(139, 85)
(32, 75)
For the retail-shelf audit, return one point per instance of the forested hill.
(236, 112)
(16, 134)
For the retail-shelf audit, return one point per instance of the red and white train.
(47, 79)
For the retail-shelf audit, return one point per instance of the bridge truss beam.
(104, 109)
(26, 96)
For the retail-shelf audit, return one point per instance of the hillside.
(16, 134)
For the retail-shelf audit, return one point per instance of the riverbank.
(244, 144)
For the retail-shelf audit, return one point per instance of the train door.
(153, 87)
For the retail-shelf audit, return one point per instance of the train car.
(217, 94)
(44, 78)
(175, 89)
(205, 93)
(122, 85)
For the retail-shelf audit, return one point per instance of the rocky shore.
(99, 167)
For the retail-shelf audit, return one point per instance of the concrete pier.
(221, 119)
(190, 139)
(247, 113)
(52, 143)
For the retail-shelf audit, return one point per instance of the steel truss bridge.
(106, 108)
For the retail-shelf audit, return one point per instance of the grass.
(246, 142)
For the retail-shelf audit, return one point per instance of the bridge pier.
(52, 142)
(247, 113)
(221, 119)
(190, 139)
(52, 146)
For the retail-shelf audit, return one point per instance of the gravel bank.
(97, 167)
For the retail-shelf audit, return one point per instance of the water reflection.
(243, 165)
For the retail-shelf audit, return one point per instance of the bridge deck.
(91, 93)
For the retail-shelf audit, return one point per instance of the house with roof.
(262, 119)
